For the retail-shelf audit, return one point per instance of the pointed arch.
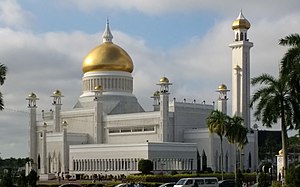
(198, 162)
(39, 161)
(204, 161)
(249, 160)
(49, 162)
(242, 36)
(59, 162)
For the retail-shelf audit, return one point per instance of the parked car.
(122, 185)
(198, 182)
(125, 185)
(70, 185)
(169, 184)
(227, 183)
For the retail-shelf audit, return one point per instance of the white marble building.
(108, 131)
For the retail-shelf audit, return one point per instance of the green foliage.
(292, 177)
(7, 180)
(145, 166)
(239, 178)
(263, 180)
(3, 70)
(276, 184)
(32, 178)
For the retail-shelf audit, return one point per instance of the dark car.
(169, 184)
(227, 183)
(70, 185)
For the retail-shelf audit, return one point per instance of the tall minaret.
(32, 129)
(164, 109)
(57, 108)
(222, 100)
(241, 69)
(65, 148)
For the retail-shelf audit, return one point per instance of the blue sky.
(44, 42)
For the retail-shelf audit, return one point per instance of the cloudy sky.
(44, 42)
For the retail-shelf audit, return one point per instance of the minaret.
(57, 108)
(32, 129)
(164, 109)
(44, 151)
(241, 69)
(98, 128)
(222, 100)
(155, 98)
(65, 148)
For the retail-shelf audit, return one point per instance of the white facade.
(108, 131)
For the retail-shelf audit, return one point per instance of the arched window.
(237, 37)
(249, 160)
(39, 162)
(242, 36)
(204, 161)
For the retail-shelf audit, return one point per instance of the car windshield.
(211, 181)
(181, 182)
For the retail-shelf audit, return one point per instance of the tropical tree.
(290, 68)
(217, 122)
(3, 70)
(274, 102)
(236, 134)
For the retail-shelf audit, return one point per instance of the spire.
(107, 36)
(241, 16)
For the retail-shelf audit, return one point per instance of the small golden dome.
(164, 80)
(222, 87)
(241, 22)
(156, 93)
(280, 152)
(57, 93)
(98, 88)
(107, 57)
(32, 95)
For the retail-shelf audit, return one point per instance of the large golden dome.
(241, 22)
(107, 57)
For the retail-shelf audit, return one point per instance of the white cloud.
(267, 8)
(12, 15)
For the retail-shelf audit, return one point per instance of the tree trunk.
(284, 143)
(241, 160)
(222, 158)
(235, 166)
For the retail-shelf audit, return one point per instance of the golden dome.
(241, 22)
(107, 57)
(222, 87)
(156, 93)
(98, 88)
(280, 152)
(57, 93)
(164, 80)
(32, 95)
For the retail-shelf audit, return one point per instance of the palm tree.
(237, 135)
(3, 70)
(290, 68)
(217, 123)
(274, 102)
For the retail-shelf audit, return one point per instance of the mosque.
(109, 132)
